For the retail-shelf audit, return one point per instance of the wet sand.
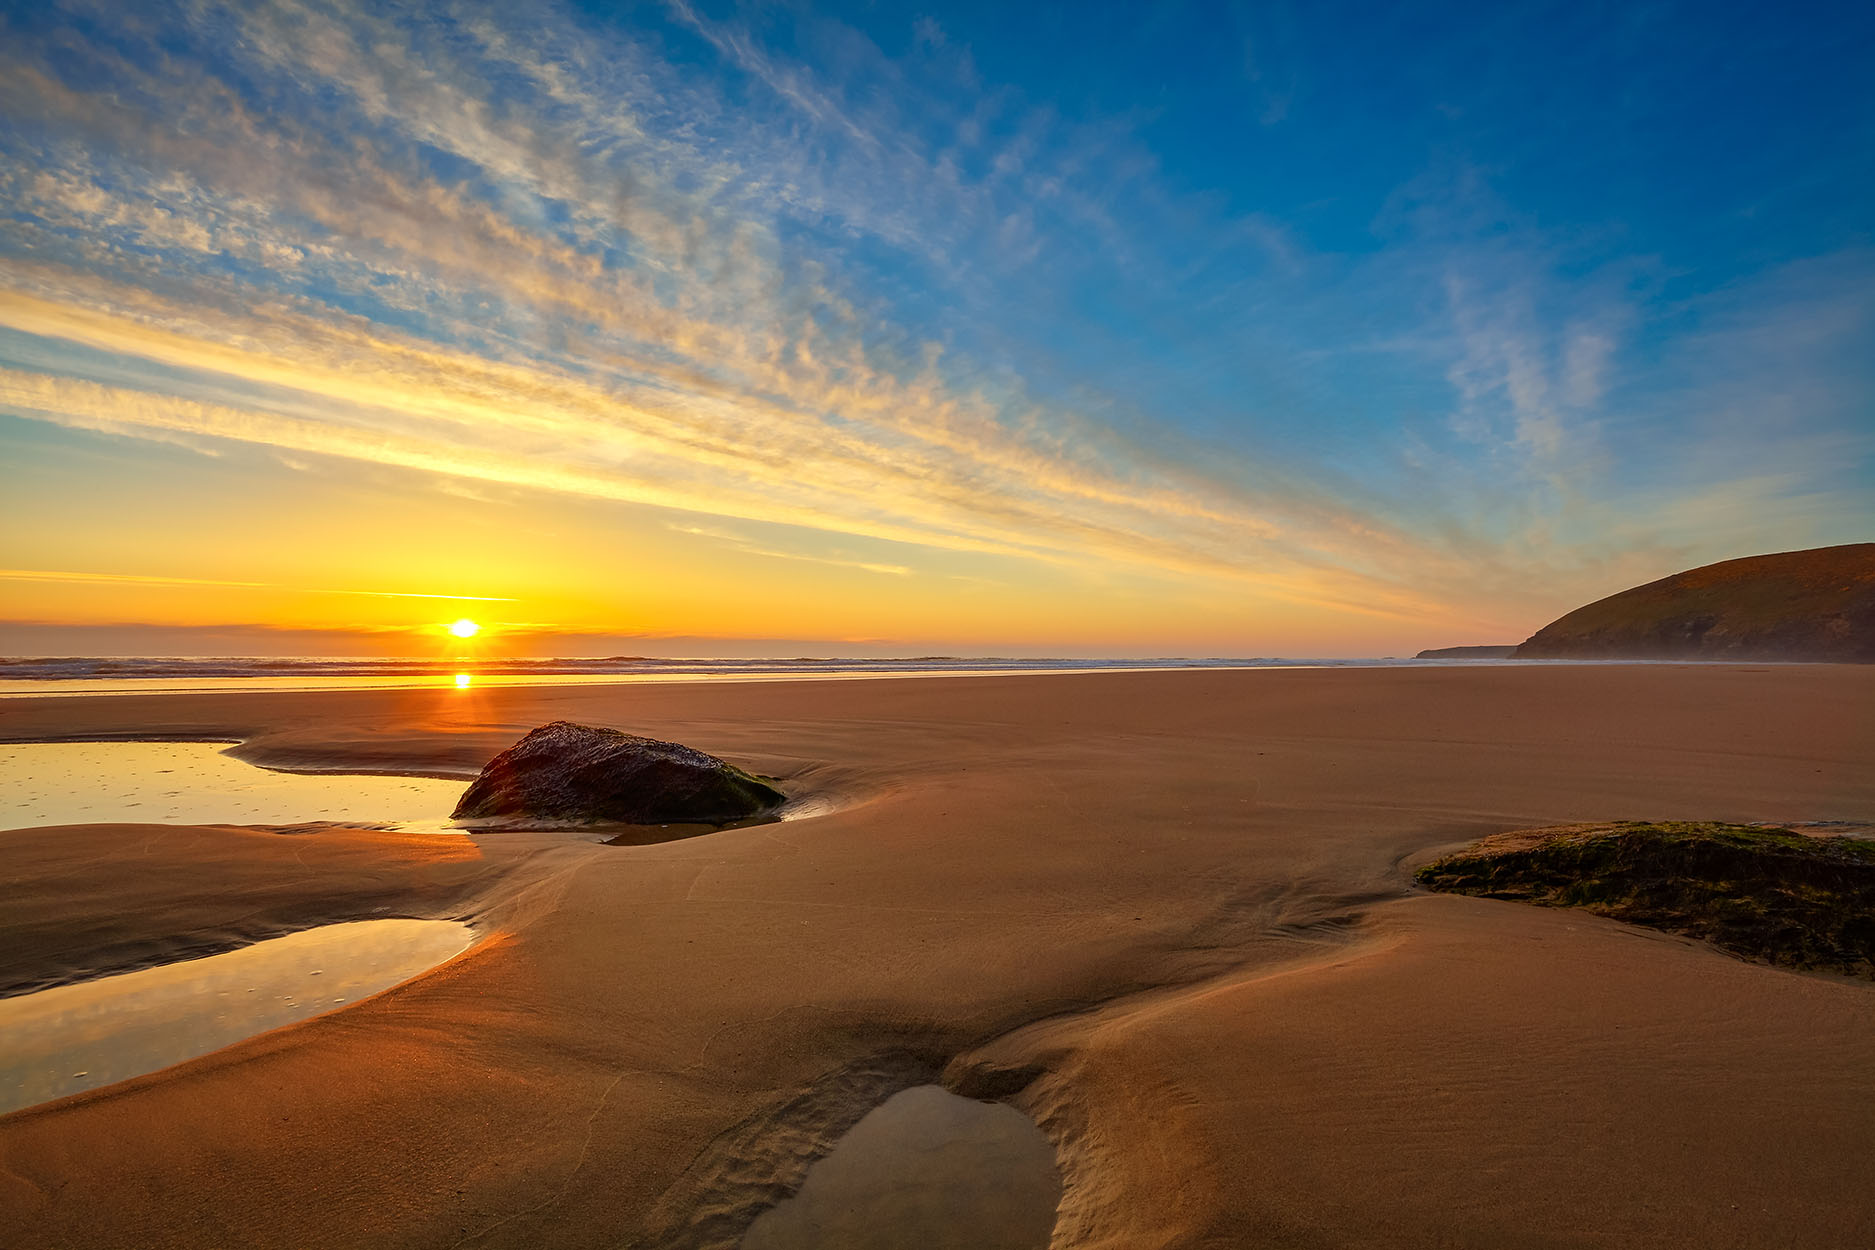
(924, 1168)
(191, 783)
(1168, 915)
(113, 1028)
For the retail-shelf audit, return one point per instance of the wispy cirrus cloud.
(561, 256)
(741, 543)
(650, 346)
(71, 577)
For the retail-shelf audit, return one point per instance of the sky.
(708, 328)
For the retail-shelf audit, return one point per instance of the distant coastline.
(63, 668)
(26, 677)
(72, 675)
(1815, 606)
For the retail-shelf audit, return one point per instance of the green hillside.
(1794, 605)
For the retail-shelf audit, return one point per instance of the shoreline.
(1168, 916)
(446, 676)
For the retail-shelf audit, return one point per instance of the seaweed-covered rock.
(568, 774)
(1761, 891)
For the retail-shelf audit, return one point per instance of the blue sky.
(1243, 328)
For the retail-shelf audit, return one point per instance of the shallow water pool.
(925, 1168)
(70, 783)
(77, 1037)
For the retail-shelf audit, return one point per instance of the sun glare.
(465, 628)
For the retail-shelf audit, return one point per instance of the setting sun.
(465, 628)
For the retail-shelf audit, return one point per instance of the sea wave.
(144, 668)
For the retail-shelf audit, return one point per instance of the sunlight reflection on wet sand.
(69, 783)
(77, 1037)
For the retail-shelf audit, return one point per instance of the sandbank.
(1168, 914)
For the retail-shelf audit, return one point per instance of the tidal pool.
(71, 783)
(925, 1168)
(77, 1037)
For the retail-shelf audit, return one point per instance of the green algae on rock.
(1765, 892)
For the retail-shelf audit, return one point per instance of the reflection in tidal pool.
(928, 1169)
(71, 783)
(78, 1037)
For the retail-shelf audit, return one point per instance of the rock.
(1503, 652)
(1816, 605)
(1802, 896)
(568, 774)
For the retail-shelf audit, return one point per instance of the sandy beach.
(1169, 915)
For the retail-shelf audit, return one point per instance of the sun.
(465, 628)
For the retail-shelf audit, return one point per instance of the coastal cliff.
(1816, 605)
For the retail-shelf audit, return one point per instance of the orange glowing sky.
(844, 333)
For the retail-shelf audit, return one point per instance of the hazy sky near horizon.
(1312, 329)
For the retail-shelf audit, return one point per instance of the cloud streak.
(69, 577)
(551, 256)
(654, 349)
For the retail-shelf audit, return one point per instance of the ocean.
(74, 675)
